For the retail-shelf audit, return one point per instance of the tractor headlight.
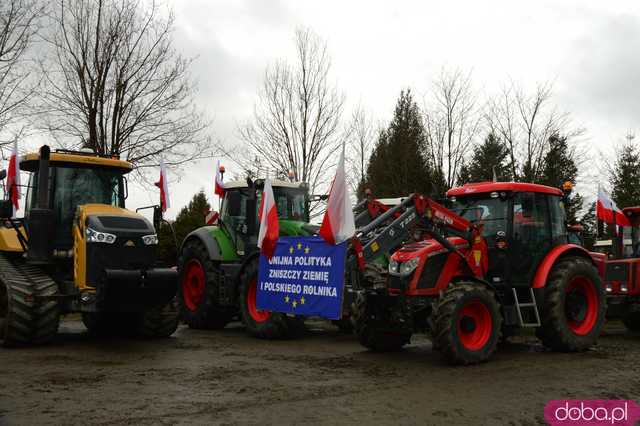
(150, 240)
(409, 266)
(94, 236)
(393, 266)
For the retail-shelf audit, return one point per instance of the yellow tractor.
(78, 249)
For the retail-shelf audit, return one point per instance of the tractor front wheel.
(574, 307)
(375, 326)
(197, 295)
(467, 323)
(261, 323)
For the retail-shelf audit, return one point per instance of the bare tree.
(115, 84)
(361, 136)
(525, 122)
(452, 122)
(18, 27)
(296, 120)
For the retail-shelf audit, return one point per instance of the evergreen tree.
(489, 156)
(559, 165)
(625, 176)
(398, 165)
(188, 219)
(590, 225)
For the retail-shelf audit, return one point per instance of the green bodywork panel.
(225, 243)
(227, 247)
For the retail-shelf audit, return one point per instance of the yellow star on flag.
(286, 299)
(295, 303)
(307, 250)
(299, 246)
(302, 300)
(291, 249)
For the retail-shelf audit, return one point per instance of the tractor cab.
(76, 179)
(520, 222)
(239, 215)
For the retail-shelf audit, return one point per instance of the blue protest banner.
(305, 277)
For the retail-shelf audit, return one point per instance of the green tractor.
(218, 264)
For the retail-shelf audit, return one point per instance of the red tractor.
(620, 272)
(498, 260)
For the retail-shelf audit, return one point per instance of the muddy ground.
(227, 377)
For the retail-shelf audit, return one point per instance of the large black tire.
(574, 307)
(467, 324)
(263, 324)
(632, 321)
(158, 322)
(345, 325)
(26, 316)
(198, 292)
(374, 324)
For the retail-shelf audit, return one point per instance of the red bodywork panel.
(540, 278)
(475, 265)
(482, 187)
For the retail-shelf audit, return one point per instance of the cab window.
(491, 213)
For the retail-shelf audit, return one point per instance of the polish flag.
(338, 223)
(269, 227)
(607, 210)
(219, 185)
(164, 187)
(13, 177)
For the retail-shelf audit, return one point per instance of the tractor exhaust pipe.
(40, 224)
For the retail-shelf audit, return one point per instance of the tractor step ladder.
(530, 305)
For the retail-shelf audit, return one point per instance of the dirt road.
(226, 377)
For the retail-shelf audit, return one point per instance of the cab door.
(530, 238)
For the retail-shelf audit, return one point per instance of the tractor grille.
(127, 252)
(432, 270)
(617, 272)
(123, 222)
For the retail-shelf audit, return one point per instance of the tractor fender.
(564, 250)
(208, 240)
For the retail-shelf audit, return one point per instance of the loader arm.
(391, 229)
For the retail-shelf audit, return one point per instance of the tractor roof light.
(567, 186)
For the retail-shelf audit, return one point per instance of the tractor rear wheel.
(26, 315)
(632, 321)
(574, 307)
(198, 293)
(374, 326)
(161, 321)
(467, 324)
(260, 323)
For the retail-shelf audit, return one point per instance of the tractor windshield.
(490, 212)
(77, 186)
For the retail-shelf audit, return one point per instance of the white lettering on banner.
(312, 261)
(284, 274)
(281, 287)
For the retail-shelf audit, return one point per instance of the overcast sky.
(588, 48)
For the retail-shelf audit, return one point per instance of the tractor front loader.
(497, 261)
(78, 249)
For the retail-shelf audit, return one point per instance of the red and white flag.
(269, 227)
(13, 177)
(219, 184)
(607, 210)
(164, 187)
(338, 224)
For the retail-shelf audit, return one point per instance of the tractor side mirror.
(157, 217)
(3, 174)
(6, 209)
